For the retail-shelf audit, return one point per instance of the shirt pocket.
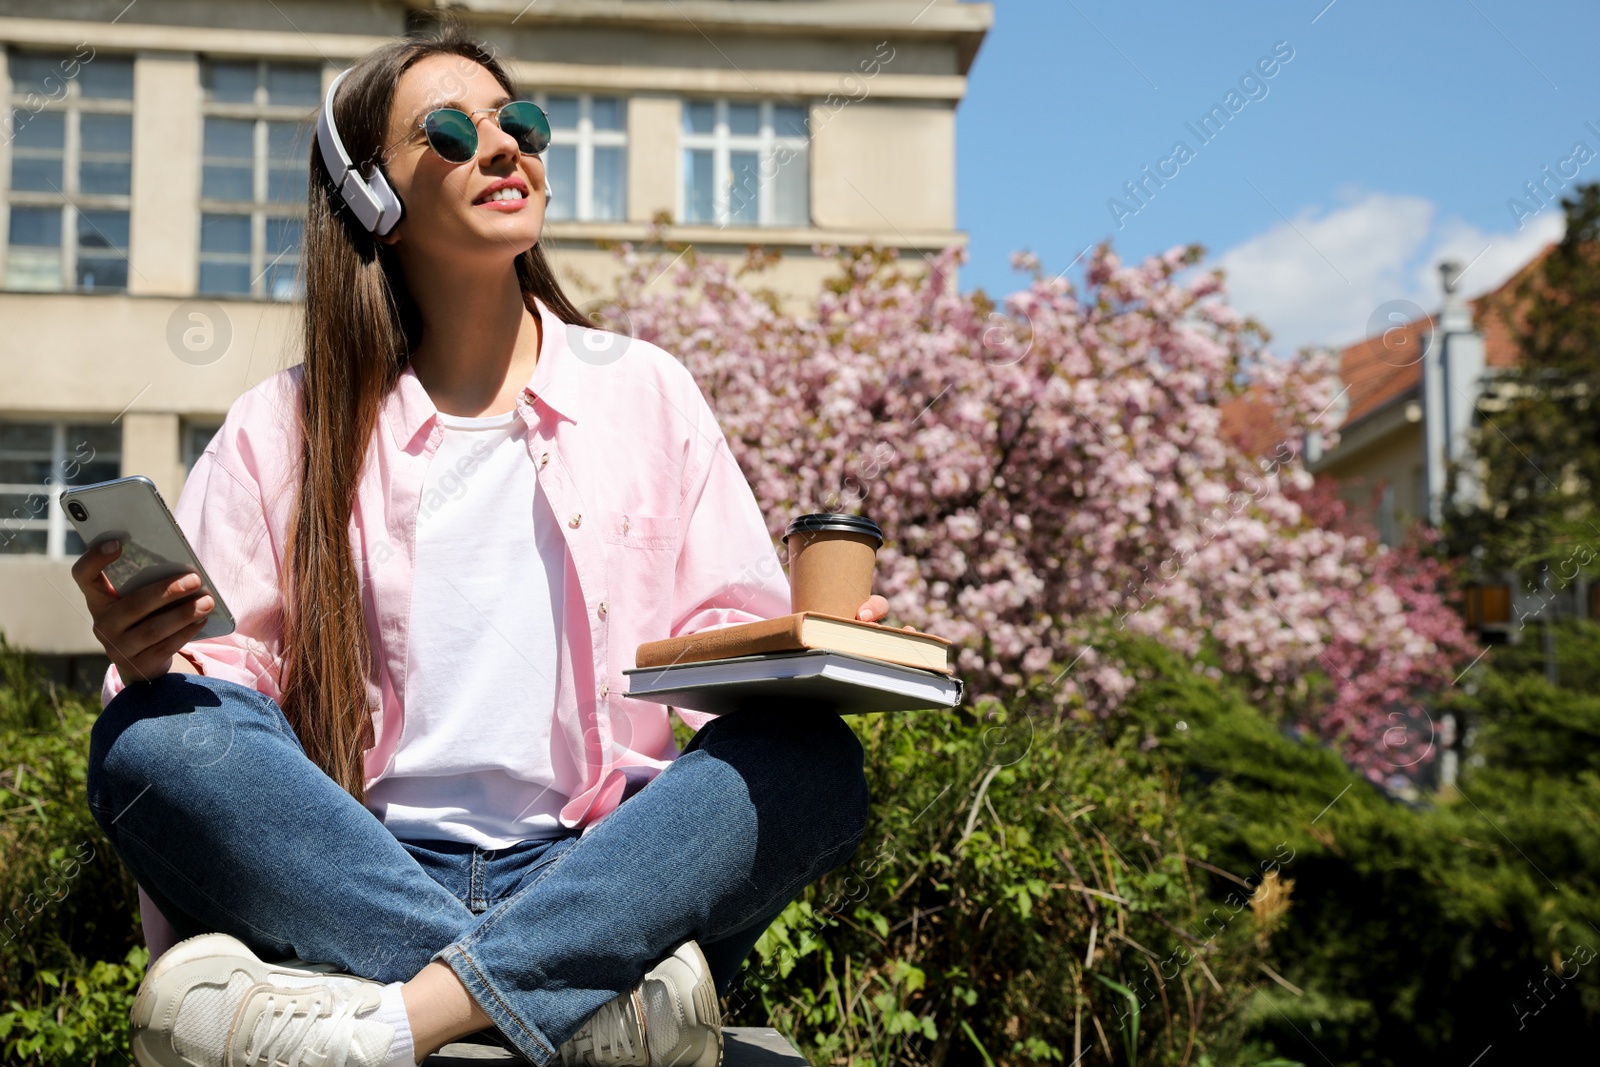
(650, 533)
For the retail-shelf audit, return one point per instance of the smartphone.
(131, 511)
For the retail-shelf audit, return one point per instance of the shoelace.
(610, 1026)
(285, 1042)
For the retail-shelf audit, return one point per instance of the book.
(814, 678)
(798, 632)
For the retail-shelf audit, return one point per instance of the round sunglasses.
(453, 133)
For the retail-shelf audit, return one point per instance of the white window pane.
(789, 120)
(36, 226)
(744, 119)
(41, 75)
(28, 541)
(95, 448)
(222, 277)
(606, 113)
(34, 270)
(230, 139)
(96, 273)
(103, 230)
(225, 233)
(283, 237)
(113, 178)
(561, 170)
(106, 133)
(790, 184)
(107, 78)
(281, 280)
(230, 83)
(699, 185)
(196, 439)
(37, 174)
(563, 111)
(294, 84)
(44, 129)
(699, 116)
(744, 189)
(288, 142)
(609, 196)
(286, 185)
(227, 183)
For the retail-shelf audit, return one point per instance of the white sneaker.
(210, 1002)
(670, 1019)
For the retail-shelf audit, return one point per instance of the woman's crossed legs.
(209, 799)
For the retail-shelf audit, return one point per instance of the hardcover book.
(799, 632)
(814, 678)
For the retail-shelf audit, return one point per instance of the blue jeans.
(208, 798)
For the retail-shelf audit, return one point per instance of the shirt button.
(576, 520)
(544, 457)
(601, 610)
(604, 689)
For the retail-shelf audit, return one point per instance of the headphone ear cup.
(390, 203)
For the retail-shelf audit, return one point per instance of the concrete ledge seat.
(742, 1046)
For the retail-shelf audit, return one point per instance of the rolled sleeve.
(222, 513)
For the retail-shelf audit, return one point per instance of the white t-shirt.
(477, 761)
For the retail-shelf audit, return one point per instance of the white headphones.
(370, 198)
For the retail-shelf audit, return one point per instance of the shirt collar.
(408, 408)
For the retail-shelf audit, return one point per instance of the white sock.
(391, 1011)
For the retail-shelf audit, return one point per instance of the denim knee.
(170, 727)
(812, 769)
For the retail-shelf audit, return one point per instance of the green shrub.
(1026, 893)
(67, 905)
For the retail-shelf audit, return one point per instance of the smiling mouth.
(500, 196)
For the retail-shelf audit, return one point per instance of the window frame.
(72, 204)
(260, 112)
(721, 142)
(54, 520)
(588, 139)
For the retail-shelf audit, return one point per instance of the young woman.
(409, 776)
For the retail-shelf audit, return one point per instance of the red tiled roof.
(1380, 369)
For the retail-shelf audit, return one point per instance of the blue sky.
(1395, 136)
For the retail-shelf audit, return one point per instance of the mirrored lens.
(452, 134)
(527, 122)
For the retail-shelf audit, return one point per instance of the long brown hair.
(361, 327)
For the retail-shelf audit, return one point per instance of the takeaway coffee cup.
(831, 556)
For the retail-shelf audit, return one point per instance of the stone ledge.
(742, 1046)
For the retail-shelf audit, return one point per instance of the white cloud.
(1319, 279)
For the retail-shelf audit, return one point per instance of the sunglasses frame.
(471, 117)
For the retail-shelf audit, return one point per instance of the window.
(196, 436)
(745, 163)
(36, 460)
(71, 134)
(259, 118)
(587, 161)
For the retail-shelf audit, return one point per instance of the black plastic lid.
(833, 520)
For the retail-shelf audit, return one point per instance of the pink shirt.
(664, 537)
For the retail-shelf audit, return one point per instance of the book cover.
(795, 681)
(798, 632)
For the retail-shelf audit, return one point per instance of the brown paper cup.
(830, 569)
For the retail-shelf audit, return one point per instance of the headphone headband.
(370, 200)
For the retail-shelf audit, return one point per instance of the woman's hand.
(141, 631)
(874, 608)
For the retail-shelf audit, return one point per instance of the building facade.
(153, 182)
